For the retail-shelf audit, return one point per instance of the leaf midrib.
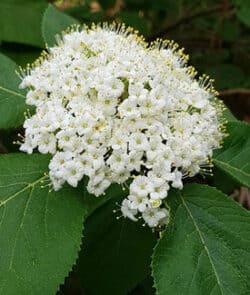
(232, 167)
(30, 185)
(11, 91)
(202, 241)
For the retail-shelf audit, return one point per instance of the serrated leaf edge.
(155, 285)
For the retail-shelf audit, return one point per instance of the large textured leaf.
(116, 253)
(21, 21)
(234, 157)
(54, 22)
(40, 232)
(12, 99)
(206, 248)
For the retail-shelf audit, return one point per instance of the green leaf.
(231, 30)
(131, 18)
(171, 6)
(105, 4)
(144, 288)
(54, 22)
(223, 182)
(234, 157)
(116, 253)
(91, 202)
(206, 248)
(12, 99)
(227, 75)
(85, 15)
(21, 21)
(19, 53)
(228, 115)
(40, 231)
(243, 11)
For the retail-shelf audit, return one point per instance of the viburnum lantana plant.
(111, 107)
(113, 123)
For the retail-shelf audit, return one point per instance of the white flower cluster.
(113, 108)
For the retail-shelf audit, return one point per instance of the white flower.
(112, 108)
(98, 188)
(177, 182)
(84, 124)
(134, 160)
(159, 191)
(66, 139)
(47, 143)
(73, 172)
(155, 203)
(59, 160)
(118, 160)
(119, 140)
(127, 211)
(86, 161)
(141, 186)
(138, 142)
(129, 108)
(138, 203)
(119, 176)
(29, 144)
(155, 216)
(56, 181)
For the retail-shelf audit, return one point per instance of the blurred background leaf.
(20, 21)
(243, 10)
(53, 23)
(215, 33)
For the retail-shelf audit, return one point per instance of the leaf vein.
(19, 228)
(30, 185)
(12, 92)
(232, 167)
(202, 241)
